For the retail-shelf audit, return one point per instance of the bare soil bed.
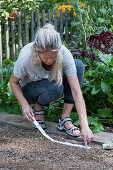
(22, 149)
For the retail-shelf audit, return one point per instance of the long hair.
(48, 39)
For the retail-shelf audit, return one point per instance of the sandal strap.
(70, 131)
(38, 112)
(41, 121)
(73, 128)
(66, 119)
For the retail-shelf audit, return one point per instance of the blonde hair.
(48, 39)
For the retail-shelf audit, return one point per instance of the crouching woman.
(44, 70)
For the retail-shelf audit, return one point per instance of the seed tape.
(56, 141)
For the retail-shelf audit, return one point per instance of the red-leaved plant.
(102, 41)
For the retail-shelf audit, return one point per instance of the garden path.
(20, 121)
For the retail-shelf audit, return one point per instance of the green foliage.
(23, 5)
(26, 5)
(105, 113)
(8, 101)
(91, 18)
(98, 86)
(54, 111)
(93, 122)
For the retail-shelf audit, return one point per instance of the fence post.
(38, 19)
(19, 33)
(61, 24)
(26, 29)
(1, 76)
(13, 38)
(32, 26)
(43, 16)
(66, 26)
(0, 44)
(7, 37)
(72, 18)
(49, 15)
(55, 23)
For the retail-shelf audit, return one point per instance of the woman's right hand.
(28, 113)
(26, 109)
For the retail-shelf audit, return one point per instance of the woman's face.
(48, 57)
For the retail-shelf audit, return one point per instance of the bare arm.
(86, 133)
(26, 109)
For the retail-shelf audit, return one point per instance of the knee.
(80, 66)
(56, 91)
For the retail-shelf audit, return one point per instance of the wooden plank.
(66, 26)
(43, 17)
(49, 16)
(19, 33)
(13, 38)
(32, 26)
(72, 31)
(26, 29)
(55, 22)
(0, 45)
(61, 24)
(38, 19)
(6, 37)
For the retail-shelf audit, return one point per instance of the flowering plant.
(69, 7)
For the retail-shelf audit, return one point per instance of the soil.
(22, 149)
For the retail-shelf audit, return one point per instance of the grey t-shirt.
(25, 69)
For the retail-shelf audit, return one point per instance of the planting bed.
(22, 149)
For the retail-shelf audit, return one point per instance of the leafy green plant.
(98, 87)
(8, 101)
(7, 6)
(93, 122)
(92, 18)
(54, 111)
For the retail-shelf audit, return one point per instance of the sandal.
(39, 121)
(69, 131)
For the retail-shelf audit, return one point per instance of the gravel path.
(22, 149)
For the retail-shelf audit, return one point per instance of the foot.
(69, 125)
(40, 117)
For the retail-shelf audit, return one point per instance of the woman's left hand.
(87, 135)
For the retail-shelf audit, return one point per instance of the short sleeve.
(19, 65)
(69, 67)
(22, 63)
(19, 69)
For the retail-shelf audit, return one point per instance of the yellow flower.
(74, 14)
(83, 5)
(63, 7)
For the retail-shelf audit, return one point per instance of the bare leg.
(68, 98)
(66, 113)
(38, 107)
(39, 117)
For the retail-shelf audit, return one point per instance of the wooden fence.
(15, 34)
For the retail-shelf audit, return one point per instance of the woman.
(37, 78)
